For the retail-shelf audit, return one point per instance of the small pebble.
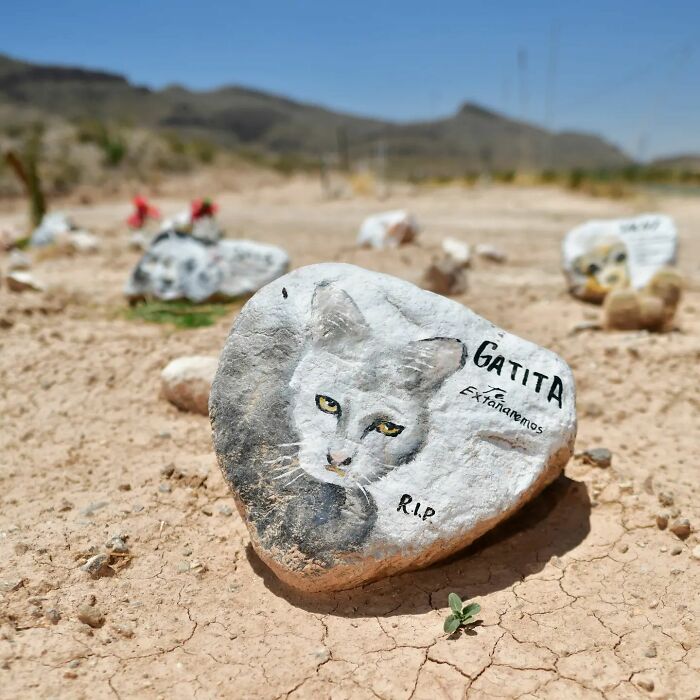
(650, 652)
(207, 510)
(89, 615)
(65, 505)
(681, 528)
(125, 487)
(137, 508)
(225, 510)
(626, 487)
(98, 566)
(165, 487)
(645, 684)
(675, 551)
(183, 567)
(12, 584)
(695, 554)
(662, 521)
(665, 498)
(654, 604)
(622, 547)
(53, 616)
(72, 675)
(598, 457)
(167, 470)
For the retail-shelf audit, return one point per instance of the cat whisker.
(364, 493)
(290, 444)
(294, 479)
(288, 472)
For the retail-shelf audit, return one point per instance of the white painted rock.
(179, 266)
(457, 250)
(387, 230)
(186, 382)
(23, 282)
(53, 225)
(366, 426)
(601, 255)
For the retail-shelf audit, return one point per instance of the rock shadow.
(551, 525)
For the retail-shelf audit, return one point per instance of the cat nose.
(338, 459)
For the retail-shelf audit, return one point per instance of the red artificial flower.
(143, 211)
(203, 207)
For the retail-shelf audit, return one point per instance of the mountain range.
(472, 140)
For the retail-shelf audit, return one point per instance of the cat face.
(604, 268)
(175, 267)
(361, 406)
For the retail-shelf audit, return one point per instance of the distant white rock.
(52, 226)
(489, 252)
(57, 228)
(23, 282)
(186, 382)
(602, 255)
(180, 266)
(388, 230)
(83, 241)
(458, 251)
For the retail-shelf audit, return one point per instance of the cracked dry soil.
(582, 595)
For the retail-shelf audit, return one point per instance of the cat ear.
(336, 322)
(427, 363)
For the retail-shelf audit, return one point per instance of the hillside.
(472, 140)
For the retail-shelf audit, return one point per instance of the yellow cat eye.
(389, 429)
(327, 404)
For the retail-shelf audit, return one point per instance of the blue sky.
(627, 70)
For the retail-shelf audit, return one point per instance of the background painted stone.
(603, 254)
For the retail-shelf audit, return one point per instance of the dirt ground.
(582, 595)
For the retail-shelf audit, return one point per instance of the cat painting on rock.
(361, 410)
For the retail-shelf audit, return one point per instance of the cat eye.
(328, 405)
(593, 269)
(388, 428)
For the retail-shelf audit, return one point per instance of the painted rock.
(366, 426)
(387, 230)
(602, 255)
(180, 266)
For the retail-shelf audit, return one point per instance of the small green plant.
(461, 615)
(182, 314)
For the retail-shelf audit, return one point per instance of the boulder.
(390, 229)
(186, 382)
(366, 426)
(602, 255)
(180, 266)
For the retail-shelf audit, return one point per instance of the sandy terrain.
(582, 595)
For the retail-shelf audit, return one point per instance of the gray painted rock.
(602, 255)
(180, 266)
(366, 426)
(186, 382)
